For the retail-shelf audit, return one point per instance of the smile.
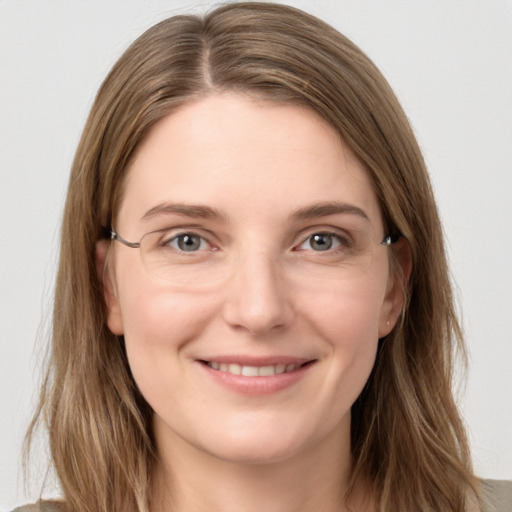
(253, 371)
(256, 375)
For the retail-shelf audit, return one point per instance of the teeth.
(280, 368)
(266, 370)
(253, 371)
(235, 369)
(250, 371)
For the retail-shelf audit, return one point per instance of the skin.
(256, 288)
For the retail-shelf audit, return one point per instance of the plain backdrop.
(450, 63)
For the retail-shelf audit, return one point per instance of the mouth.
(267, 370)
(256, 376)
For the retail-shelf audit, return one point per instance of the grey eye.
(188, 242)
(320, 242)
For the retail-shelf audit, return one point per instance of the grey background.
(450, 63)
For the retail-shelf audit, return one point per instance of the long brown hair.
(407, 437)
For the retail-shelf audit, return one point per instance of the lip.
(256, 385)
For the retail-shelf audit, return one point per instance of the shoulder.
(42, 506)
(496, 496)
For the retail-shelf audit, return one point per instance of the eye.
(188, 242)
(320, 242)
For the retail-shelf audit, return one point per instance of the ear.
(105, 272)
(400, 272)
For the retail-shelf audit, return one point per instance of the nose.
(257, 297)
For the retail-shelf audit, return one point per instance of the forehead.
(247, 158)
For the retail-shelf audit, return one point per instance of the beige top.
(497, 497)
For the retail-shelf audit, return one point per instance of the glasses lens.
(188, 259)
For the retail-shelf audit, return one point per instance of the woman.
(252, 306)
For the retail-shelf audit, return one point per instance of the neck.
(188, 479)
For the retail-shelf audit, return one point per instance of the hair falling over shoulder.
(408, 440)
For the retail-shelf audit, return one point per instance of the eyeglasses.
(185, 257)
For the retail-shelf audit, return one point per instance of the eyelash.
(167, 241)
(342, 241)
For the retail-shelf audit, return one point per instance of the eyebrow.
(206, 212)
(328, 208)
(193, 211)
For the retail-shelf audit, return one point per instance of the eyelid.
(305, 233)
(173, 232)
(183, 228)
(339, 241)
(171, 242)
(213, 240)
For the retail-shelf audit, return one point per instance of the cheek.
(348, 313)
(349, 322)
(158, 326)
(152, 314)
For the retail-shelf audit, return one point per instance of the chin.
(263, 440)
(255, 452)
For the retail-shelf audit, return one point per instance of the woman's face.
(251, 317)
